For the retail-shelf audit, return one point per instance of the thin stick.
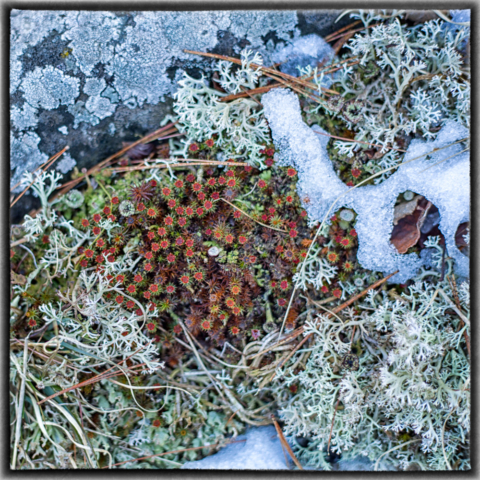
(240, 210)
(171, 165)
(285, 443)
(44, 168)
(347, 27)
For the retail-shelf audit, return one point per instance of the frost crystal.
(442, 177)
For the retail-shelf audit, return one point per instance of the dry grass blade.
(285, 443)
(173, 452)
(341, 30)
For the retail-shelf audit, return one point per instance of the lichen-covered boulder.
(92, 79)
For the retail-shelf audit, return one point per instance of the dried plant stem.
(194, 163)
(256, 221)
(341, 30)
(285, 443)
(44, 167)
(167, 129)
(265, 70)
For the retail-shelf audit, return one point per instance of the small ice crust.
(443, 178)
(261, 451)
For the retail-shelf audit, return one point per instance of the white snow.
(261, 451)
(443, 180)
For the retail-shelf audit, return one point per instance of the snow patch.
(442, 177)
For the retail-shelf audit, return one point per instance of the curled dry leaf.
(406, 231)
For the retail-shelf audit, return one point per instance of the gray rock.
(93, 79)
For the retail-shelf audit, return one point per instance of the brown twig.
(285, 443)
(263, 69)
(44, 167)
(256, 221)
(172, 165)
(146, 139)
(341, 30)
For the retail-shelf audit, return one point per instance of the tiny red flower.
(196, 187)
(222, 180)
(200, 211)
(177, 329)
(255, 333)
(119, 299)
(99, 259)
(148, 267)
(206, 325)
(149, 255)
(324, 289)
(211, 182)
(193, 147)
(262, 183)
(100, 242)
(190, 178)
(151, 235)
(210, 142)
(237, 214)
(281, 302)
(350, 184)
(164, 244)
(155, 247)
(150, 326)
(141, 207)
(97, 217)
(291, 172)
(284, 285)
(137, 278)
(234, 330)
(84, 263)
(279, 249)
(215, 195)
(289, 199)
(182, 222)
(170, 288)
(269, 162)
(337, 293)
(264, 217)
(353, 232)
(80, 250)
(179, 241)
(242, 240)
(248, 168)
(157, 423)
(303, 213)
(138, 311)
(131, 288)
(293, 233)
(189, 211)
(153, 288)
(334, 218)
(185, 279)
(168, 220)
(171, 203)
(189, 253)
(269, 152)
(271, 211)
(161, 231)
(120, 278)
(153, 183)
(166, 191)
(171, 258)
(96, 230)
(229, 238)
(345, 242)
(115, 200)
(208, 231)
(180, 210)
(130, 304)
(85, 223)
(179, 184)
(89, 253)
(111, 258)
(201, 196)
(151, 212)
(356, 172)
(198, 276)
(112, 218)
(253, 259)
(189, 242)
(107, 211)
(208, 205)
